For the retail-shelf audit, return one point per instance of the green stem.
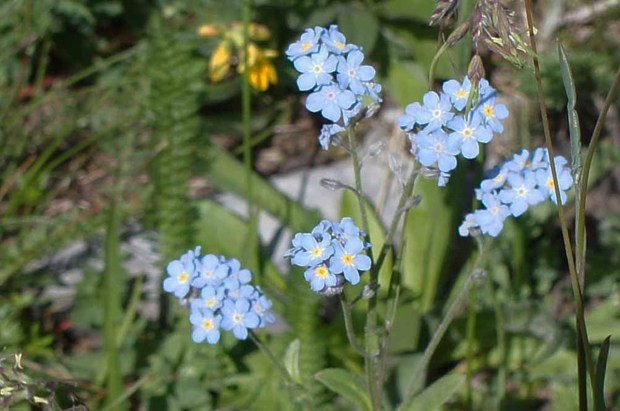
(371, 335)
(420, 376)
(348, 324)
(246, 107)
(577, 291)
(471, 336)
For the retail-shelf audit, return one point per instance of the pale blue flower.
(211, 299)
(313, 252)
(458, 92)
(180, 275)
(436, 149)
(521, 194)
(316, 69)
(492, 114)
(491, 219)
(436, 111)
(320, 277)
(546, 184)
(330, 100)
(307, 44)
(336, 42)
(351, 74)
(468, 133)
(210, 271)
(348, 260)
(206, 326)
(238, 317)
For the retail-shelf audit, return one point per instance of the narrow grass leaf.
(599, 383)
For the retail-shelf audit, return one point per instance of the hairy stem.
(577, 291)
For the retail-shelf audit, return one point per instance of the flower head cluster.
(333, 72)
(441, 128)
(219, 294)
(333, 253)
(262, 71)
(522, 181)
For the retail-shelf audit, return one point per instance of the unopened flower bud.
(475, 72)
(331, 185)
(458, 34)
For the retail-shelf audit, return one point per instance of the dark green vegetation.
(108, 117)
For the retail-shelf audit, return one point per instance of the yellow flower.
(208, 30)
(262, 71)
(219, 66)
(262, 74)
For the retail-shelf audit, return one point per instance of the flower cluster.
(442, 128)
(332, 71)
(231, 49)
(332, 254)
(220, 295)
(522, 181)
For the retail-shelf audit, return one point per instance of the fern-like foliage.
(173, 106)
(303, 316)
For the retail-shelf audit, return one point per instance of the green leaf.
(291, 360)
(344, 383)
(573, 118)
(359, 25)
(408, 81)
(428, 230)
(601, 365)
(436, 394)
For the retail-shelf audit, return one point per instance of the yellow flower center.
(316, 252)
(321, 271)
(207, 324)
(183, 277)
(348, 259)
(488, 111)
(550, 183)
(461, 93)
(211, 302)
(306, 46)
(340, 45)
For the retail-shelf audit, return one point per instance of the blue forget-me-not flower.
(219, 294)
(331, 69)
(333, 254)
(522, 181)
(447, 112)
